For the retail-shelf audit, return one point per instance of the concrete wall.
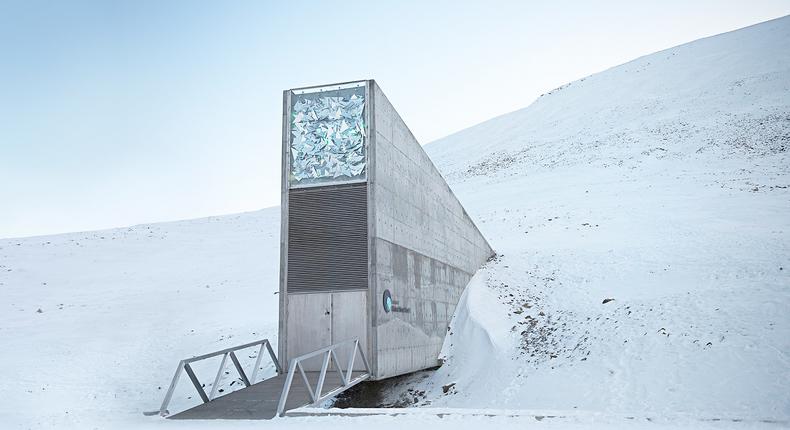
(424, 246)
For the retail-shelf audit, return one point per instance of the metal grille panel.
(327, 239)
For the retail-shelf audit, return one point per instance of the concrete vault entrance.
(375, 246)
(375, 252)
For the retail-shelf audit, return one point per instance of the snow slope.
(661, 184)
(93, 324)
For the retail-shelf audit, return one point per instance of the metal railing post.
(340, 370)
(217, 378)
(274, 357)
(286, 388)
(362, 355)
(257, 363)
(171, 389)
(239, 369)
(306, 381)
(350, 368)
(195, 382)
(322, 375)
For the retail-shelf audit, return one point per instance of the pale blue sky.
(118, 113)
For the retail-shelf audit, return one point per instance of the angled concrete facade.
(422, 247)
(425, 247)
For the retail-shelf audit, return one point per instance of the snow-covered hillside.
(93, 324)
(661, 184)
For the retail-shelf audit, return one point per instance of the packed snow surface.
(642, 221)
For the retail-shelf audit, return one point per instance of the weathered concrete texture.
(425, 292)
(425, 248)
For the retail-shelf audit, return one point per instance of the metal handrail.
(184, 365)
(329, 354)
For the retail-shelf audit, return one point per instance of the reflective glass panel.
(328, 137)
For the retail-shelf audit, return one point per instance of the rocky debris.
(395, 392)
(545, 334)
